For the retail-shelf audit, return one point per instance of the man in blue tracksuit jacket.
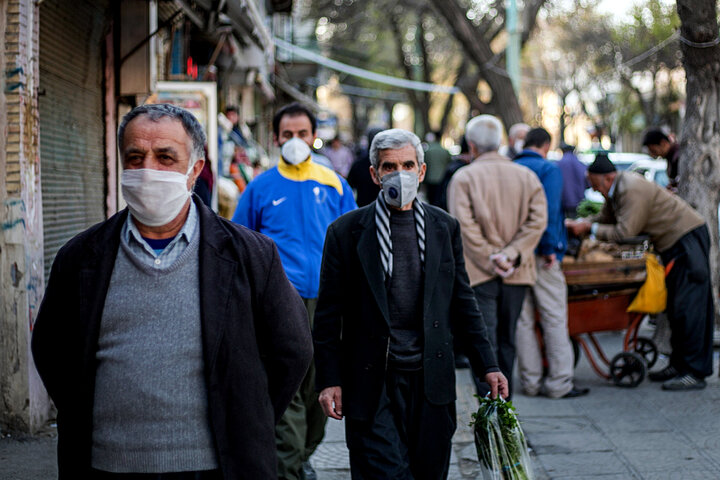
(294, 203)
(549, 294)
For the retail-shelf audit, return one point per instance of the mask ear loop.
(191, 165)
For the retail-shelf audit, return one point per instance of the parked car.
(622, 161)
(653, 170)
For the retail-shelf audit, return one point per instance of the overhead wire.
(491, 65)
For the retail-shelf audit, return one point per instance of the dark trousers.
(690, 303)
(201, 475)
(302, 427)
(500, 306)
(408, 438)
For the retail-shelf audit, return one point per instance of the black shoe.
(576, 392)
(308, 472)
(684, 382)
(461, 361)
(665, 374)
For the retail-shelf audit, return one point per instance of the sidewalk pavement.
(611, 434)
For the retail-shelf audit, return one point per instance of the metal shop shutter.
(71, 120)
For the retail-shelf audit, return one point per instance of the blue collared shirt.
(140, 248)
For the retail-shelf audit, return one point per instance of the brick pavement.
(611, 434)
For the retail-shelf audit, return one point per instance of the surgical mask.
(519, 145)
(154, 197)
(295, 151)
(400, 188)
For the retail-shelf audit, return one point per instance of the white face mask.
(400, 188)
(519, 144)
(295, 151)
(154, 197)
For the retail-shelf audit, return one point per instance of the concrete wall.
(24, 404)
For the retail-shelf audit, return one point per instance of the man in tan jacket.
(502, 212)
(636, 206)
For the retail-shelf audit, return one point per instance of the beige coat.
(502, 208)
(639, 206)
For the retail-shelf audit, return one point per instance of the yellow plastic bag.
(652, 296)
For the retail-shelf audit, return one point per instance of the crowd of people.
(177, 344)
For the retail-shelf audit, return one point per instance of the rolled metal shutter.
(72, 156)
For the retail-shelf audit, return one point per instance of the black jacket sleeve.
(52, 336)
(284, 333)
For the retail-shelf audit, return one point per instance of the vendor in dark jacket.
(169, 339)
(393, 293)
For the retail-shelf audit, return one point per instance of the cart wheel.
(647, 349)
(627, 369)
(576, 351)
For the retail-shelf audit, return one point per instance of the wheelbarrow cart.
(599, 294)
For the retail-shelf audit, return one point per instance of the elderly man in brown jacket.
(502, 211)
(636, 206)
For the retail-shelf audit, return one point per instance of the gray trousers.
(549, 297)
(500, 306)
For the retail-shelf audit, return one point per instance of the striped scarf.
(382, 223)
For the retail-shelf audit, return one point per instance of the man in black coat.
(393, 293)
(169, 338)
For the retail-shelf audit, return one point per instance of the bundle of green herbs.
(588, 208)
(500, 442)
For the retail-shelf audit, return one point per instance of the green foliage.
(588, 208)
(499, 441)
(624, 70)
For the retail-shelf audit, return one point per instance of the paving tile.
(677, 458)
(334, 431)
(653, 441)
(568, 424)
(684, 474)
(588, 441)
(323, 474)
(612, 476)
(334, 456)
(639, 422)
(587, 464)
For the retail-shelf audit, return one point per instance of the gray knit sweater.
(150, 413)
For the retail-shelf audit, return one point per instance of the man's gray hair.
(518, 129)
(395, 139)
(160, 110)
(485, 132)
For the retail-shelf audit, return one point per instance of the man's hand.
(578, 227)
(503, 265)
(549, 260)
(331, 402)
(498, 384)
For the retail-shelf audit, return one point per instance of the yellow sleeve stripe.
(309, 170)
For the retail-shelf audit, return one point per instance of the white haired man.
(516, 139)
(393, 292)
(502, 210)
(169, 338)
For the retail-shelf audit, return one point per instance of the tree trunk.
(563, 116)
(426, 73)
(699, 167)
(417, 99)
(478, 50)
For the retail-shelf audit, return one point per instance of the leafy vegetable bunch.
(499, 440)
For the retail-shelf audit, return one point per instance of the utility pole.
(512, 56)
